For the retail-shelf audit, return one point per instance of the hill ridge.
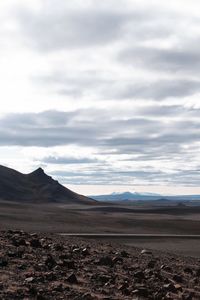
(36, 186)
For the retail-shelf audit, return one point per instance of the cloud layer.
(136, 143)
(102, 93)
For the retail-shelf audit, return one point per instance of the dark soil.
(47, 266)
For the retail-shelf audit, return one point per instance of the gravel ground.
(47, 266)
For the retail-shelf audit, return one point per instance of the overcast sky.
(104, 95)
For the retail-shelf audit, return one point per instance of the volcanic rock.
(106, 261)
(72, 279)
(46, 272)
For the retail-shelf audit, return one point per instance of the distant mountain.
(128, 196)
(36, 187)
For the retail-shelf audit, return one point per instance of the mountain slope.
(36, 187)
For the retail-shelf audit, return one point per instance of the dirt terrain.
(39, 263)
(47, 266)
(102, 219)
(59, 218)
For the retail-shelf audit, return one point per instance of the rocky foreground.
(43, 267)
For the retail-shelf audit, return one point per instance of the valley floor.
(104, 219)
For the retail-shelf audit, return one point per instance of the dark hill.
(36, 187)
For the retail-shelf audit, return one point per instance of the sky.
(103, 95)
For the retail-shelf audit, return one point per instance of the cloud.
(54, 128)
(76, 84)
(68, 160)
(102, 84)
(50, 29)
(99, 87)
(181, 61)
(127, 178)
(159, 90)
(83, 128)
(105, 177)
(72, 26)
